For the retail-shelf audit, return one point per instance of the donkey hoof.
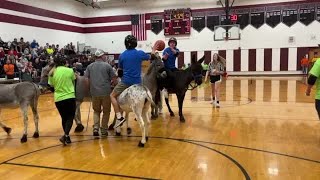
(79, 128)
(24, 138)
(118, 133)
(140, 144)
(171, 114)
(182, 119)
(129, 130)
(36, 134)
(154, 117)
(147, 138)
(7, 130)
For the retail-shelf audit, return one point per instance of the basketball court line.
(195, 142)
(79, 171)
(242, 169)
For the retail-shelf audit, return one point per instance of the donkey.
(150, 81)
(80, 90)
(137, 99)
(178, 82)
(21, 94)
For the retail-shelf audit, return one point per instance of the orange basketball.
(161, 45)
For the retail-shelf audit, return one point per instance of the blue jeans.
(305, 69)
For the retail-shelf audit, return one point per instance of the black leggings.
(67, 109)
(317, 103)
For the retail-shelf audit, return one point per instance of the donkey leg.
(143, 130)
(77, 118)
(146, 121)
(34, 107)
(129, 130)
(24, 110)
(153, 112)
(5, 128)
(169, 108)
(180, 102)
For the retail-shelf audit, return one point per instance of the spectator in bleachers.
(50, 50)
(2, 55)
(38, 66)
(34, 44)
(9, 69)
(26, 51)
(19, 65)
(21, 45)
(12, 55)
(14, 44)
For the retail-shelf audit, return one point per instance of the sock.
(119, 116)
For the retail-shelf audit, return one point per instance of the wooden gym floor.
(266, 128)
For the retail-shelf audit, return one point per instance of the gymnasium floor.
(266, 129)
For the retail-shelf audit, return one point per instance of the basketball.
(161, 45)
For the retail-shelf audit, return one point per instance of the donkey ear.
(202, 59)
(193, 59)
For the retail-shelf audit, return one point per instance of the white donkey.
(21, 94)
(137, 99)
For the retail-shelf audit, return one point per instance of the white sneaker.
(217, 105)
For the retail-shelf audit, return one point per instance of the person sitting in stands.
(9, 69)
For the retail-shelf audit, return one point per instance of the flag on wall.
(138, 23)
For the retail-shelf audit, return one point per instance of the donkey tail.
(149, 96)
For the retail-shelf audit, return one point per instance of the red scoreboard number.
(177, 21)
(234, 18)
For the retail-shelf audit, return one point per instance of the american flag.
(138, 23)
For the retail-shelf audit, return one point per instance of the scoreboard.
(177, 21)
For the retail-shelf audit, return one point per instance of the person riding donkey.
(130, 70)
(169, 58)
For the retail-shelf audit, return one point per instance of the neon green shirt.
(315, 70)
(205, 67)
(63, 83)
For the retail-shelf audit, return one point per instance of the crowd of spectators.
(25, 60)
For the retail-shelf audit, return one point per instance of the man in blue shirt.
(130, 69)
(170, 55)
(169, 58)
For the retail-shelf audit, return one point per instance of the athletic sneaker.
(96, 132)
(68, 140)
(119, 122)
(104, 132)
(63, 140)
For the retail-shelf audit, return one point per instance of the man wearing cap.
(99, 77)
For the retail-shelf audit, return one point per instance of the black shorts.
(214, 79)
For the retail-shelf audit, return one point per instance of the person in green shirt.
(313, 79)
(205, 68)
(62, 79)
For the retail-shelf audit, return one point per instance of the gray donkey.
(21, 94)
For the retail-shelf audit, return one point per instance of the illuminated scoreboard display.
(177, 21)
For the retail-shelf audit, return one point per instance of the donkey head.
(196, 69)
(156, 64)
(43, 85)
